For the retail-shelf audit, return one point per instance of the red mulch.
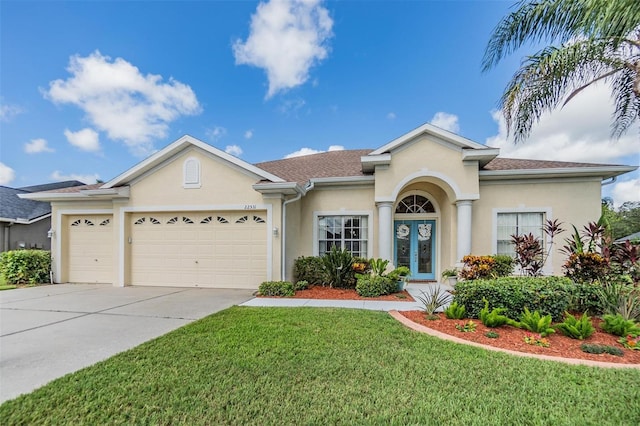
(513, 339)
(319, 292)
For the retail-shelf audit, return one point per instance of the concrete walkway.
(49, 331)
(415, 290)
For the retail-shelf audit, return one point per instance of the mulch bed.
(513, 339)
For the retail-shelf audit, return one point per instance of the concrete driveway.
(49, 331)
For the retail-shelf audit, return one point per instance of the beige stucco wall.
(571, 201)
(430, 158)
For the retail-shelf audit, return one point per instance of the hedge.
(310, 269)
(548, 295)
(25, 266)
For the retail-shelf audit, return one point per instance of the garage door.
(90, 249)
(203, 249)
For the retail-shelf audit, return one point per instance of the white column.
(384, 230)
(464, 228)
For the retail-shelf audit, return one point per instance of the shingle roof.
(326, 164)
(51, 186)
(519, 164)
(13, 207)
(73, 189)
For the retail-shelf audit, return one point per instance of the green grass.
(7, 287)
(325, 366)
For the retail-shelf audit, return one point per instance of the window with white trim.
(517, 224)
(343, 232)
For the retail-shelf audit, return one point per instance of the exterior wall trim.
(459, 195)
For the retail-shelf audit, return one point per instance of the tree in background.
(595, 40)
(623, 221)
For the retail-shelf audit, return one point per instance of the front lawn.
(325, 366)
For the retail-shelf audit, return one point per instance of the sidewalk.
(414, 290)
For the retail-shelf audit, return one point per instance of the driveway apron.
(49, 331)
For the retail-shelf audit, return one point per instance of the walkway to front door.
(415, 247)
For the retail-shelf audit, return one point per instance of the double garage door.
(177, 249)
(199, 249)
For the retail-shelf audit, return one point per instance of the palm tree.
(597, 40)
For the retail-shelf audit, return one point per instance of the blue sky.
(89, 88)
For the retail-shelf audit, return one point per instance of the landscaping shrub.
(601, 349)
(576, 328)
(586, 297)
(618, 325)
(477, 267)
(310, 269)
(503, 266)
(494, 318)
(434, 299)
(338, 265)
(585, 267)
(620, 296)
(300, 285)
(276, 288)
(25, 266)
(548, 295)
(536, 323)
(374, 286)
(455, 311)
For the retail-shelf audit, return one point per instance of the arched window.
(415, 204)
(191, 173)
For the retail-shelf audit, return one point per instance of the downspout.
(283, 234)
(613, 179)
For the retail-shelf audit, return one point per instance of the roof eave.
(285, 188)
(341, 181)
(102, 194)
(604, 172)
(369, 162)
(482, 156)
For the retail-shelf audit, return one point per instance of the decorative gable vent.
(191, 173)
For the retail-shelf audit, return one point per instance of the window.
(343, 232)
(415, 204)
(517, 224)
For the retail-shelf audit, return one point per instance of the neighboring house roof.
(632, 237)
(322, 165)
(52, 186)
(16, 209)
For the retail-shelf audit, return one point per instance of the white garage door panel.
(90, 249)
(203, 249)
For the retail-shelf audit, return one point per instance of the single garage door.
(90, 249)
(199, 249)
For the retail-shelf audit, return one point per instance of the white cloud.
(233, 150)
(7, 112)
(248, 134)
(308, 151)
(119, 100)
(217, 133)
(290, 107)
(7, 174)
(446, 121)
(85, 139)
(287, 37)
(36, 146)
(626, 191)
(88, 179)
(578, 132)
(391, 116)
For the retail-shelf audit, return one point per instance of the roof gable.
(176, 148)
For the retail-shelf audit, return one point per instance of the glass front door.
(415, 247)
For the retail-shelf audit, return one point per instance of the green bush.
(586, 297)
(374, 286)
(601, 349)
(276, 288)
(25, 266)
(536, 323)
(434, 299)
(310, 269)
(338, 265)
(455, 311)
(576, 328)
(494, 318)
(503, 266)
(618, 325)
(548, 295)
(300, 285)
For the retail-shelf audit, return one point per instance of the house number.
(249, 206)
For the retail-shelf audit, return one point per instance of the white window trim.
(191, 185)
(546, 211)
(367, 213)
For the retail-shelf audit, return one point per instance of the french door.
(415, 247)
